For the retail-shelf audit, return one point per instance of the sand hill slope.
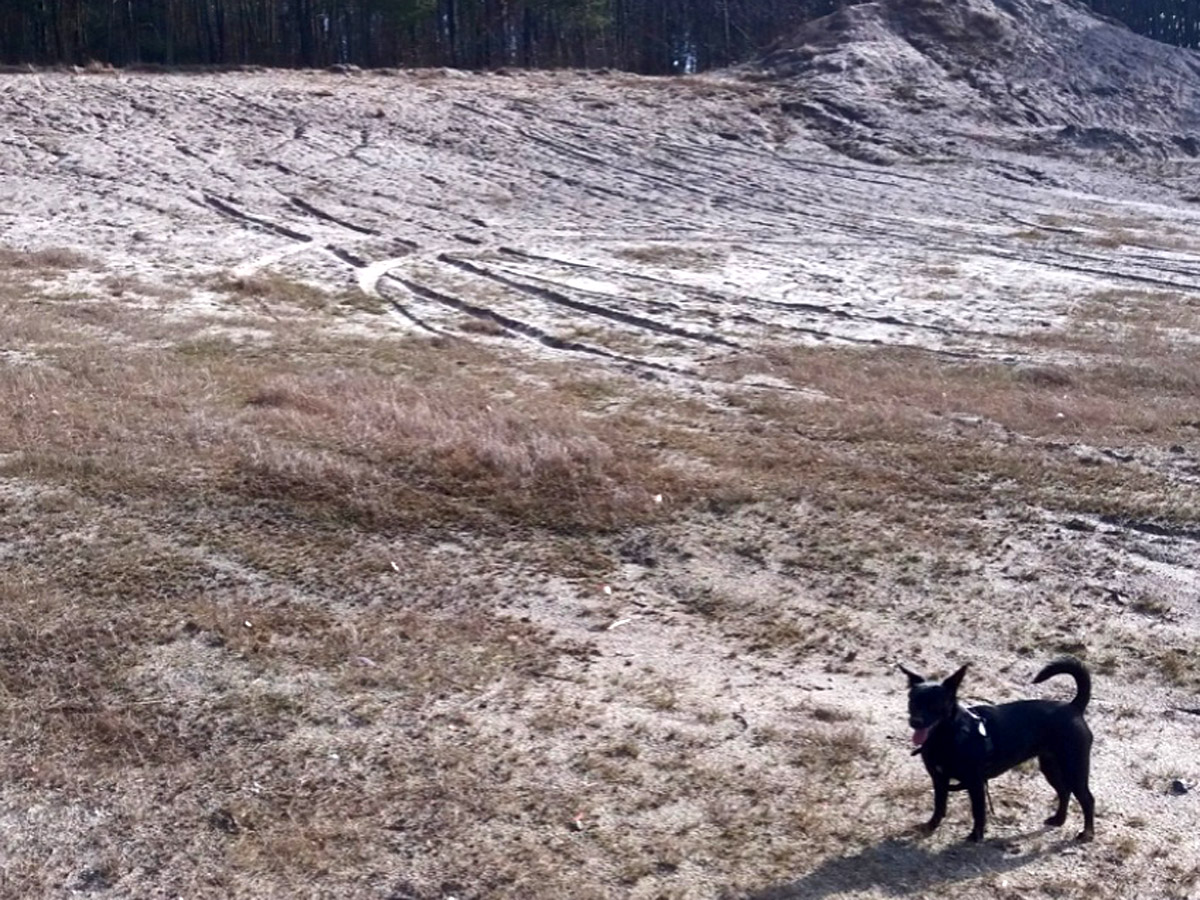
(912, 72)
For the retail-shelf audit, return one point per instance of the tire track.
(561, 299)
(346, 256)
(562, 148)
(407, 313)
(712, 294)
(524, 328)
(316, 213)
(230, 211)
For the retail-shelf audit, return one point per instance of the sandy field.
(424, 484)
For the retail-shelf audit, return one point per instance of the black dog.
(973, 745)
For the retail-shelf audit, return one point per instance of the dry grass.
(227, 589)
(1117, 231)
(902, 391)
(50, 260)
(125, 286)
(1146, 322)
(1179, 666)
(1113, 232)
(670, 255)
(437, 453)
(273, 289)
(907, 425)
(290, 738)
(249, 632)
(359, 447)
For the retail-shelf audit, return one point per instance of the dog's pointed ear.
(913, 677)
(955, 680)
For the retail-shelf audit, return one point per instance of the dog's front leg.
(978, 793)
(941, 791)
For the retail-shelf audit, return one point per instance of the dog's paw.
(1056, 821)
(927, 827)
(975, 837)
(1086, 836)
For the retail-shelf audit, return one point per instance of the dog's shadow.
(903, 865)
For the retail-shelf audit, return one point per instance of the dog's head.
(930, 702)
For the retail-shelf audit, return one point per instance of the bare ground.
(428, 485)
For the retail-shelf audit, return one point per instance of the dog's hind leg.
(1080, 789)
(1084, 796)
(1054, 774)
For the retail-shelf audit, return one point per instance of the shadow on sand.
(900, 866)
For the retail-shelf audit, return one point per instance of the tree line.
(648, 36)
(1170, 21)
(651, 36)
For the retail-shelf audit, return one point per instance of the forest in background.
(646, 36)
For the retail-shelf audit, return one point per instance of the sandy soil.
(696, 219)
(660, 229)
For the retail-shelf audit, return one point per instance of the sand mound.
(908, 74)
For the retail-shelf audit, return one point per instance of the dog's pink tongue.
(919, 736)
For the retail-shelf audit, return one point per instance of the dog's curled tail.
(1069, 665)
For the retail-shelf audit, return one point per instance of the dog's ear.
(913, 677)
(951, 684)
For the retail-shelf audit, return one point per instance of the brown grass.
(1179, 666)
(669, 254)
(251, 613)
(909, 426)
(227, 587)
(1116, 231)
(272, 288)
(448, 449)
(50, 260)
(182, 678)
(902, 391)
(345, 446)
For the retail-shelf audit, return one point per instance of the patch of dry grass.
(1112, 232)
(303, 740)
(344, 445)
(124, 286)
(1123, 231)
(273, 289)
(897, 425)
(1145, 324)
(669, 254)
(895, 390)
(436, 453)
(49, 260)
(210, 636)
(1178, 666)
